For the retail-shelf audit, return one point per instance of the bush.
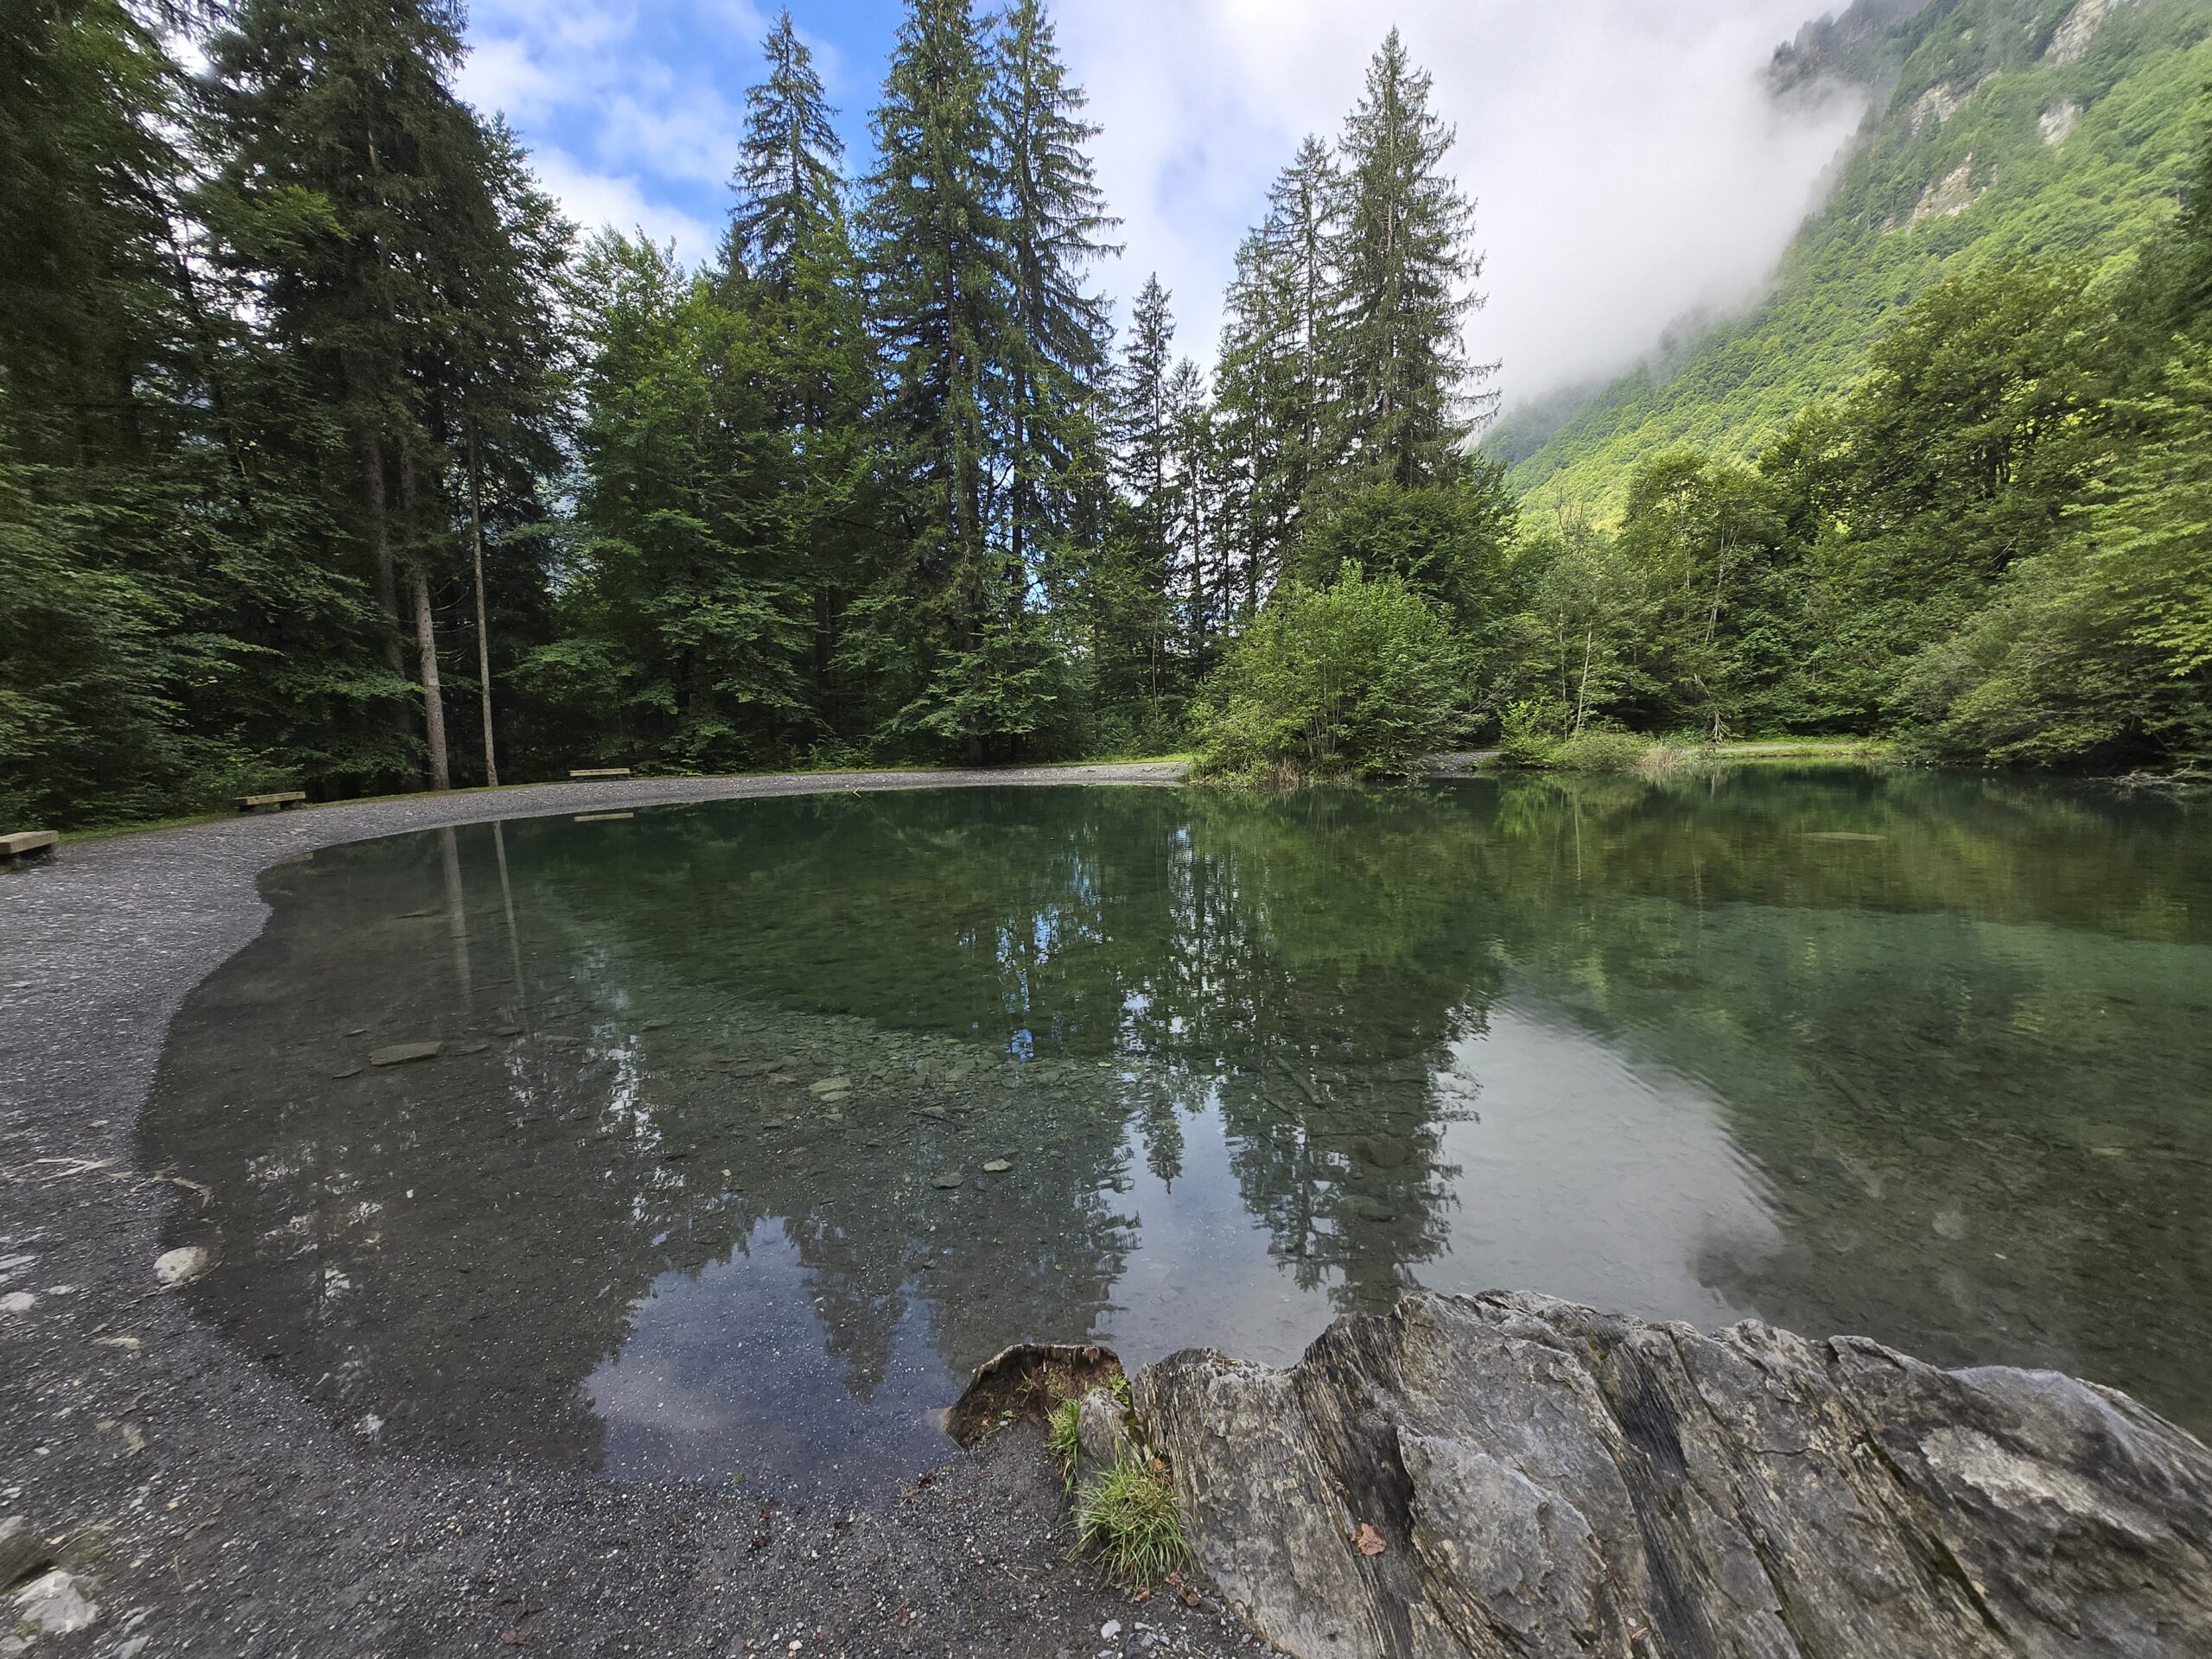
(1359, 679)
(1526, 735)
(1602, 751)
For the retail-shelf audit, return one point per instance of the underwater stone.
(182, 1267)
(1548, 1480)
(948, 1179)
(405, 1054)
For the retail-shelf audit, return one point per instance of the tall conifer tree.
(939, 292)
(1055, 218)
(789, 264)
(789, 191)
(1400, 250)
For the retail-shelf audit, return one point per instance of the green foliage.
(1403, 258)
(2101, 649)
(284, 424)
(1129, 1519)
(1451, 542)
(1361, 677)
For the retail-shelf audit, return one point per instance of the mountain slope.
(2002, 131)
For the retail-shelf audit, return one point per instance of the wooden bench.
(281, 800)
(25, 842)
(601, 771)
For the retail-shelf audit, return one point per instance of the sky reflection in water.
(1925, 1058)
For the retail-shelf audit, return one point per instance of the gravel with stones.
(192, 1504)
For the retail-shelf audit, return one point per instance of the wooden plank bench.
(25, 842)
(281, 800)
(601, 771)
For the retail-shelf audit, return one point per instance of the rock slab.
(1509, 1475)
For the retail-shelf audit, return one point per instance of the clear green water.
(1921, 1057)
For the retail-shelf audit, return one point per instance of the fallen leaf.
(1368, 1541)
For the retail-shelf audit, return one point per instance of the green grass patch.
(1060, 1425)
(1128, 1520)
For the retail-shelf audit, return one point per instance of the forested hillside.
(2000, 130)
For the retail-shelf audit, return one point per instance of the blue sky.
(1628, 166)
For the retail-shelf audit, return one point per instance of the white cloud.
(1628, 165)
(593, 200)
(631, 107)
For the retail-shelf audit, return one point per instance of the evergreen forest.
(334, 458)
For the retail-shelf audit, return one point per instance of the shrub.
(1129, 1519)
(1602, 751)
(1358, 678)
(1526, 735)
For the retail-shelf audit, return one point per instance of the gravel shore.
(197, 1505)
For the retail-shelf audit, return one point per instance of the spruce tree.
(350, 173)
(1054, 218)
(1401, 261)
(789, 190)
(939, 292)
(790, 265)
(1302, 233)
(1272, 388)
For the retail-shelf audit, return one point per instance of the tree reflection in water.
(1918, 1056)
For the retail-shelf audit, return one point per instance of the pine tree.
(789, 191)
(1144, 426)
(504, 380)
(1054, 217)
(1401, 261)
(939, 281)
(1271, 382)
(1301, 233)
(789, 264)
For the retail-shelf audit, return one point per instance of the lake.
(755, 1125)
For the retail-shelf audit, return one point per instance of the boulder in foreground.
(1510, 1475)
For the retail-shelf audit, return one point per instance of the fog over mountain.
(1630, 164)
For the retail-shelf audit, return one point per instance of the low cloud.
(1629, 167)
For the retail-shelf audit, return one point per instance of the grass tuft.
(1060, 1435)
(1127, 1518)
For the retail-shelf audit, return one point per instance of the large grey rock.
(1512, 1475)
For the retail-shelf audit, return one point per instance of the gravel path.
(199, 1506)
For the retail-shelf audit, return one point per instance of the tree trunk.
(426, 644)
(434, 711)
(483, 633)
(376, 508)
